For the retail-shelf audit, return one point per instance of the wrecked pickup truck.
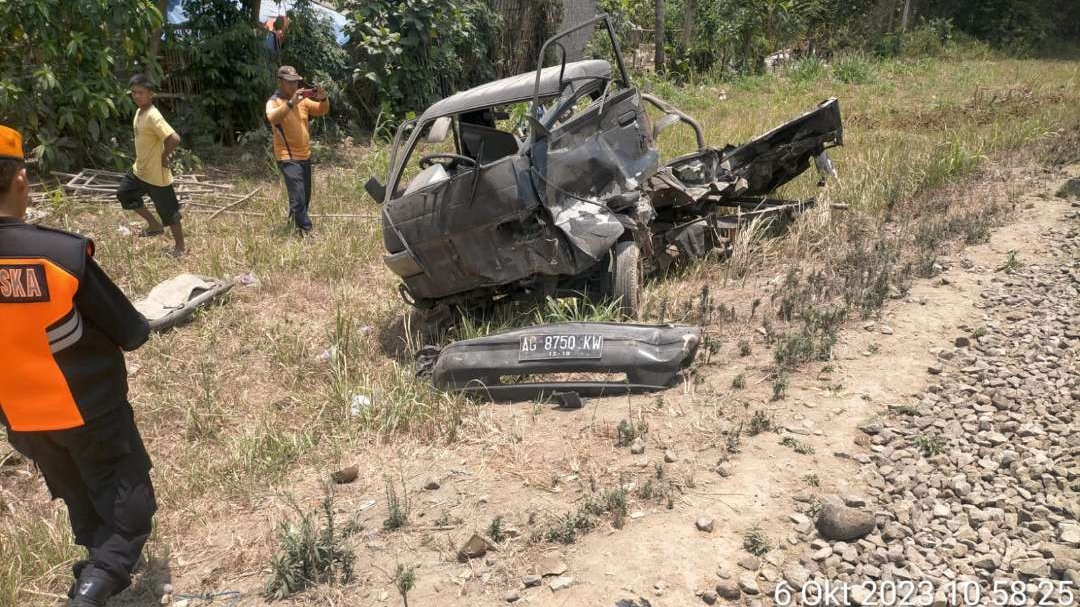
(551, 184)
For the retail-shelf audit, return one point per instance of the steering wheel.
(453, 160)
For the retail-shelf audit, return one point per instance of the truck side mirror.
(375, 189)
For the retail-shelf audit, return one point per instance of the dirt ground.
(531, 464)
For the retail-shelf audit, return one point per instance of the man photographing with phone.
(288, 111)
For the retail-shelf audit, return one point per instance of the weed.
(738, 382)
(732, 440)
(827, 369)
(929, 445)
(443, 520)
(404, 581)
(812, 480)
(397, 506)
(811, 509)
(797, 445)
(495, 530)
(759, 422)
(853, 68)
(567, 529)
(1012, 264)
(979, 332)
(744, 348)
(756, 542)
(659, 469)
(780, 385)
(873, 348)
(308, 556)
(806, 69)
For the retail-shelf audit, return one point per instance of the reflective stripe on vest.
(37, 319)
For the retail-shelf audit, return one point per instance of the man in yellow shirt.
(150, 176)
(288, 111)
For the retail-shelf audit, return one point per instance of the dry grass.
(260, 390)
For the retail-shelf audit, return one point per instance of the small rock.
(561, 583)
(796, 576)
(182, 603)
(854, 501)
(551, 566)
(837, 522)
(750, 562)
(512, 596)
(166, 589)
(748, 584)
(886, 330)
(637, 447)
(934, 370)
(709, 597)
(962, 342)
(345, 475)
(871, 427)
(477, 546)
(670, 457)
(728, 589)
(704, 523)
(432, 485)
(531, 580)
(166, 599)
(1039, 568)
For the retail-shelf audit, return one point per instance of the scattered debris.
(174, 301)
(650, 356)
(637, 447)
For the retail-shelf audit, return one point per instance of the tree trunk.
(253, 7)
(658, 37)
(689, 14)
(155, 36)
(907, 14)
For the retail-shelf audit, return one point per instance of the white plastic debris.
(359, 403)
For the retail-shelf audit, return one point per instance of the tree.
(658, 37)
(66, 66)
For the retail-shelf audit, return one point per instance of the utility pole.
(658, 37)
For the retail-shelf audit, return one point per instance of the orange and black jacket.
(63, 328)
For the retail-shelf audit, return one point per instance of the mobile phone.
(309, 93)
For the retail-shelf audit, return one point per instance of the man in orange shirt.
(63, 385)
(288, 112)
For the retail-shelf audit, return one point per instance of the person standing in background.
(155, 142)
(288, 111)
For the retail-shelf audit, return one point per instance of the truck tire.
(624, 278)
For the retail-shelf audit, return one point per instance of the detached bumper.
(650, 356)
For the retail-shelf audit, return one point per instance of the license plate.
(548, 347)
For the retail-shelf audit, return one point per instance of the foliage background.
(61, 86)
(65, 64)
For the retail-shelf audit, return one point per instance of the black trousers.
(298, 183)
(101, 471)
(132, 190)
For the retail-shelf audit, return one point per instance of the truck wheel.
(624, 278)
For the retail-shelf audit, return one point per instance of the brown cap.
(11, 144)
(288, 72)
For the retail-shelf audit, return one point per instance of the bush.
(853, 68)
(65, 67)
(807, 69)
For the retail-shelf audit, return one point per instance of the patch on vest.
(23, 283)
